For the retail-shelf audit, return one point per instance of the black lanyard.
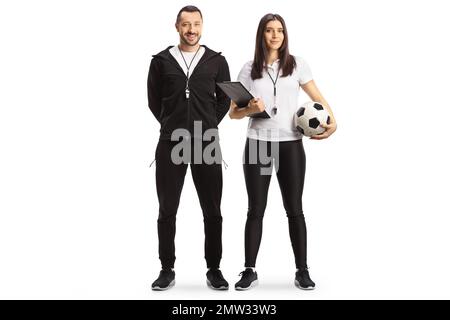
(188, 67)
(274, 90)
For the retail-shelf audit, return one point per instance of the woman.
(274, 77)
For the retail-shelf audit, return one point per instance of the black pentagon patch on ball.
(328, 120)
(314, 123)
(300, 112)
(318, 106)
(300, 129)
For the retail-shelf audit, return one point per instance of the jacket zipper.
(189, 94)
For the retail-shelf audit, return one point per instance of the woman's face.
(273, 35)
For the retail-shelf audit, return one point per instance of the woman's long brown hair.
(287, 61)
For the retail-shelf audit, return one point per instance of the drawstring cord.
(226, 166)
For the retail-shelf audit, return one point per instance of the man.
(182, 93)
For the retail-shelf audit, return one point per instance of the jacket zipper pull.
(187, 93)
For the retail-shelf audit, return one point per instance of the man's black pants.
(169, 183)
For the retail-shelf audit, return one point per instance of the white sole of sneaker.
(252, 285)
(297, 284)
(164, 289)
(208, 283)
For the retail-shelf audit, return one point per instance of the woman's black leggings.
(289, 160)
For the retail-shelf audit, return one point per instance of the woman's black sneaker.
(215, 280)
(166, 280)
(303, 281)
(249, 280)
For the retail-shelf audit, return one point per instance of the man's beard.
(186, 41)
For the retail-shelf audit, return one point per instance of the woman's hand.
(256, 105)
(313, 92)
(329, 130)
(236, 112)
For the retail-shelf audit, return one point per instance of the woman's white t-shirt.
(280, 127)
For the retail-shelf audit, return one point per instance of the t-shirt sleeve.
(245, 75)
(303, 71)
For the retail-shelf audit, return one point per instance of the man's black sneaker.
(303, 281)
(166, 280)
(215, 280)
(249, 280)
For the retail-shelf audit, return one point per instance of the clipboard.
(240, 95)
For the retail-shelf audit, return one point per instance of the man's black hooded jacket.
(167, 99)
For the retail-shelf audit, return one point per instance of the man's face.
(190, 28)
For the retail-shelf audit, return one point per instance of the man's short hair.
(188, 9)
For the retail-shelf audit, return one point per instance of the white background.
(78, 201)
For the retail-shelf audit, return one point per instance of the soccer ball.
(309, 117)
